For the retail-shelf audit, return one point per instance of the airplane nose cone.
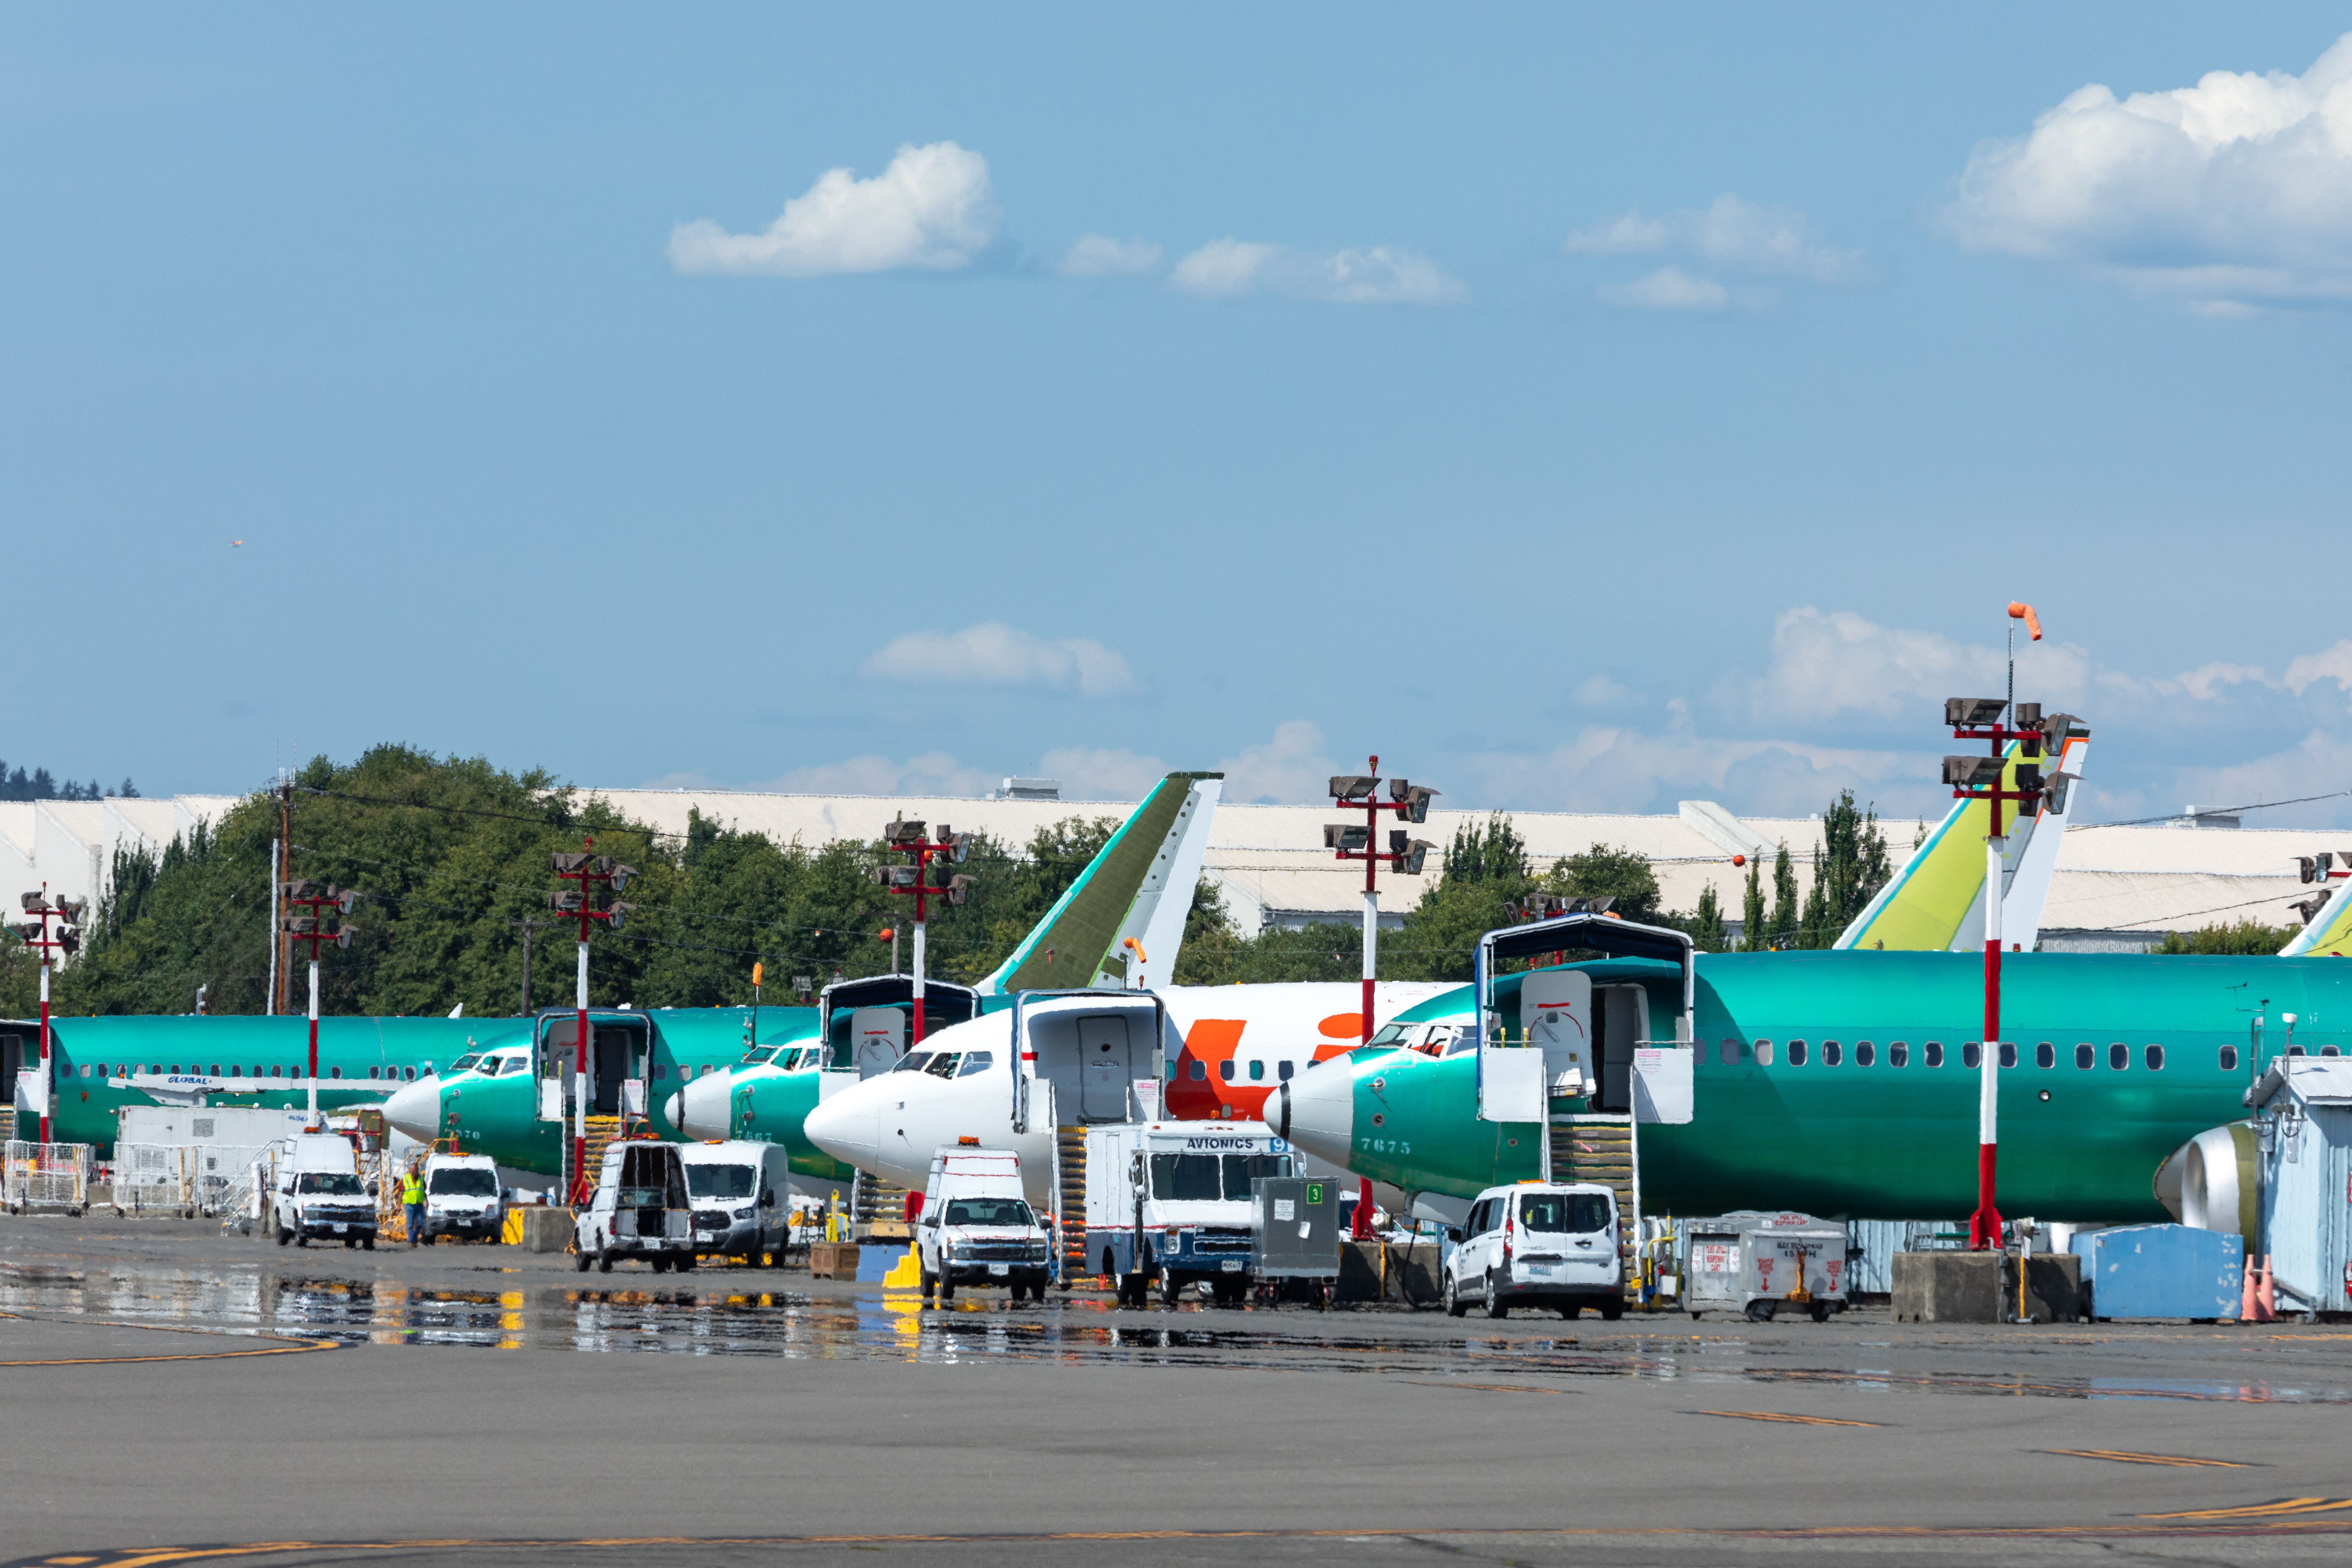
(415, 1110)
(849, 1128)
(1316, 1111)
(670, 1108)
(699, 1110)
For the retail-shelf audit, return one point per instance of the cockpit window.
(913, 1061)
(1391, 1034)
(975, 1062)
(462, 1063)
(514, 1063)
(759, 1057)
(944, 1063)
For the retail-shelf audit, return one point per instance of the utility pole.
(1406, 853)
(34, 934)
(919, 883)
(282, 952)
(1982, 778)
(323, 924)
(599, 878)
(527, 927)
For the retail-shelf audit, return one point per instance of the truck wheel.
(581, 1261)
(1169, 1288)
(1759, 1312)
(947, 1290)
(278, 1232)
(367, 1243)
(1610, 1310)
(301, 1240)
(1571, 1311)
(661, 1264)
(684, 1264)
(1820, 1311)
(603, 1260)
(1455, 1306)
(1495, 1306)
(930, 1286)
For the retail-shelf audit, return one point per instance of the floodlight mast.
(1349, 842)
(1980, 718)
(948, 847)
(599, 878)
(323, 924)
(34, 934)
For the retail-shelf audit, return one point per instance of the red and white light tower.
(324, 922)
(34, 934)
(600, 879)
(1411, 802)
(919, 883)
(1980, 778)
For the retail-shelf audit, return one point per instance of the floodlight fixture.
(29, 931)
(2055, 730)
(1347, 838)
(1415, 856)
(903, 833)
(2025, 716)
(613, 916)
(31, 901)
(343, 935)
(298, 925)
(1416, 801)
(70, 939)
(1969, 713)
(960, 887)
(621, 875)
(71, 908)
(1353, 786)
(1973, 772)
(569, 862)
(297, 889)
(564, 902)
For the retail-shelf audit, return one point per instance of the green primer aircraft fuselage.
(1878, 1141)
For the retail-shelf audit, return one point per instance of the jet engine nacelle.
(2208, 1183)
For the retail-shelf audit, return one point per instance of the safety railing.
(188, 1178)
(46, 1175)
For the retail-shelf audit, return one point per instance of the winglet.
(1138, 885)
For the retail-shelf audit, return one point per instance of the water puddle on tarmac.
(715, 1318)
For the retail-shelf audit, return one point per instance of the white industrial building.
(2114, 887)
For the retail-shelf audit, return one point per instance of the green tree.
(1787, 916)
(1849, 869)
(1603, 872)
(2250, 938)
(1706, 923)
(1754, 926)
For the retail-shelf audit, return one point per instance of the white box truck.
(976, 1228)
(639, 1210)
(1169, 1201)
(319, 1196)
(739, 1191)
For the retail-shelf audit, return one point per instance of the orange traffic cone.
(2264, 1299)
(2246, 1294)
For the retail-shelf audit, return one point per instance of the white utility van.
(461, 1198)
(1170, 1201)
(1537, 1244)
(639, 1210)
(976, 1228)
(318, 1195)
(738, 1190)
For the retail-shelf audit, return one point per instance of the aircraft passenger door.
(1105, 1071)
(1622, 1018)
(877, 1038)
(1556, 1014)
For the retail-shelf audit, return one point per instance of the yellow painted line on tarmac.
(2275, 1509)
(1782, 1415)
(283, 1347)
(2126, 1457)
(1488, 1387)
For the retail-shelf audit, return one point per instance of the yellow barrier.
(906, 1274)
(510, 1228)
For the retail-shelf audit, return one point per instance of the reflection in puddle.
(892, 1327)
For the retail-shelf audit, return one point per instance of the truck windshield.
(1208, 1178)
(988, 1211)
(462, 1182)
(720, 1181)
(333, 1184)
(1573, 1213)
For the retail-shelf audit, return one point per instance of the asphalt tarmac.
(172, 1393)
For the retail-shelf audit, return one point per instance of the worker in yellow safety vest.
(412, 1202)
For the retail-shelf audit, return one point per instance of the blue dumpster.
(2161, 1271)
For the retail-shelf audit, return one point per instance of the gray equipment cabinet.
(1294, 1228)
(2303, 1119)
(1759, 1264)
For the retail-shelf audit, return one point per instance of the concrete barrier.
(1982, 1288)
(545, 1228)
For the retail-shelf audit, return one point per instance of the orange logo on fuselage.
(1214, 1043)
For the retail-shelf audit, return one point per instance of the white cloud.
(1093, 775)
(993, 654)
(2238, 189)
(2331, 664)
(929, 209)
(1608, 768)
(1825, 665)
(1731, 234)
(1600, 691)
(1669, 288)
(1229, 268)
(933, 773)
(1101, 256)
(1286, 769)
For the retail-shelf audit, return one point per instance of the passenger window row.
(1834, 1053)
(1226, 1071)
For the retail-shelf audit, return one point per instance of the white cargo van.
(976, 1228)
(639, 1210)
(738, 1190)
(461, 1197)
(1170, 1201)
(1537, 1244)
(318, 1195)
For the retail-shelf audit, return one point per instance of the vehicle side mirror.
(1453, 1234)
(372, 1189)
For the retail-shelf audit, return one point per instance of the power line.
(2218, 811)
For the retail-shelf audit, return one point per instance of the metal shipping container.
(2303, 1108)
(1294, 1228)
(2161, 1271)
(1758, 1263)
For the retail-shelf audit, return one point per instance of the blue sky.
(1582, 410)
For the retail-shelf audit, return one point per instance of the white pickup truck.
(976, 1228)
(318, 1195)
(462, 1198)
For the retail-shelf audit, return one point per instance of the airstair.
(878, 1210)
(1070, 1197)
(1598, 1147)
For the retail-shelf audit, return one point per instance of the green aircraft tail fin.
(1138, 888)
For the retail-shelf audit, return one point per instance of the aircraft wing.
(1139, 885)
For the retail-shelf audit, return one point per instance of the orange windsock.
(2020, 611)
